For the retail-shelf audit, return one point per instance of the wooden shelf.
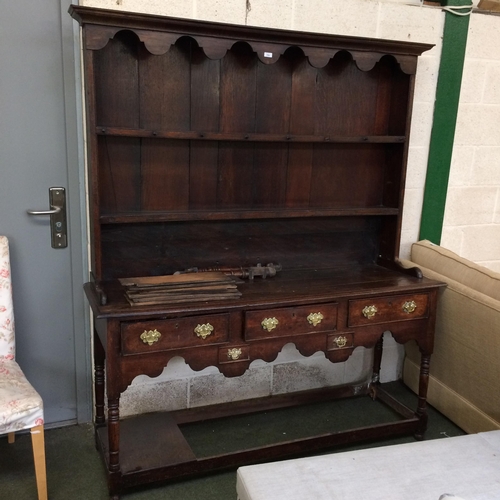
(292, 286)
(196, 215)
(248, 136)
(143, 450)
(155, 457)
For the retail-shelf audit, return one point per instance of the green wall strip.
(444, 124)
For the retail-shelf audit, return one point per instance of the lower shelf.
(155, 447)
(148, 442)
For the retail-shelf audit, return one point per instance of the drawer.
(290, 321)
(148, 336)
(233, 354)
(340, 341)
(387, 309)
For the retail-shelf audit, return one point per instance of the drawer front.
(336, 341)
(149, 336)
(234, 354)
(387, 309)
(290, 321)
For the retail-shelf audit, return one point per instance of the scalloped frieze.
(319, 57)
(153, 370)
(157, 362)
(156, 42)
(159, 42)
(366, 61)
(268, 53)
(97, 37)
(214, 48)
(408, 64)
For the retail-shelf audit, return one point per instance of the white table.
(466, 466)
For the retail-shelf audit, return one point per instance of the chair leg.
(38, 442)
(11, 437)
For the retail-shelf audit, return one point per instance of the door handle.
(44, 212)
(57, 213)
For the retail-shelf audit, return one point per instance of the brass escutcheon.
(204, 331)
(315, 318)
(150, 337)
(341, 341)
(269, 324)
(409, 307)
(234, 353)
(369, 311)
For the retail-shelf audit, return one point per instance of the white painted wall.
(396, 19)
(472, 217)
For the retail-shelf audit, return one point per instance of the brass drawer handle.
(269, 324)
(315, 318)
(369, 311)
(234, 353)
(150, 337)
(204, 331)
(341, 341)
(410, 306)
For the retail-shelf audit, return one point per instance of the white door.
(39, 129)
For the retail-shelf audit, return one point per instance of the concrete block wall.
(396, 19)
(472, 216)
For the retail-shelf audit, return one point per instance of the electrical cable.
(453, 8)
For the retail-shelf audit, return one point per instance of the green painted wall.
(444, 123)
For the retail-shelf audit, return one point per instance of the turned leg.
(422, 395)
(114, 434)
(38, 442)
(99, 359)
(112, 385)
(114, 447)
(377, 362)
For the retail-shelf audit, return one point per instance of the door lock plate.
(57, 213)
(58, 229)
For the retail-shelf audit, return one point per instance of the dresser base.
(155, 447)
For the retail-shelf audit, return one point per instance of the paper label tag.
(268, 54)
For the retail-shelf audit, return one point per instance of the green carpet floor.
(75, 470)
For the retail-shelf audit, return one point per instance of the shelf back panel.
(179, 175)
(183, 90)
(309, 243)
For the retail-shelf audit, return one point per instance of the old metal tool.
(269, 270)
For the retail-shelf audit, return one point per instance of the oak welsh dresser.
(213, 146)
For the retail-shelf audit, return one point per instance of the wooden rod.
(248, 137)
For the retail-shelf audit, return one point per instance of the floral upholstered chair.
(20, 405)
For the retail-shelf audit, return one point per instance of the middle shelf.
(179, 177)
(248, 136)
(200, 215)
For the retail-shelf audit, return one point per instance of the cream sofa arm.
(464, 371)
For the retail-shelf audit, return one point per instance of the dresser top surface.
(287, 288)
